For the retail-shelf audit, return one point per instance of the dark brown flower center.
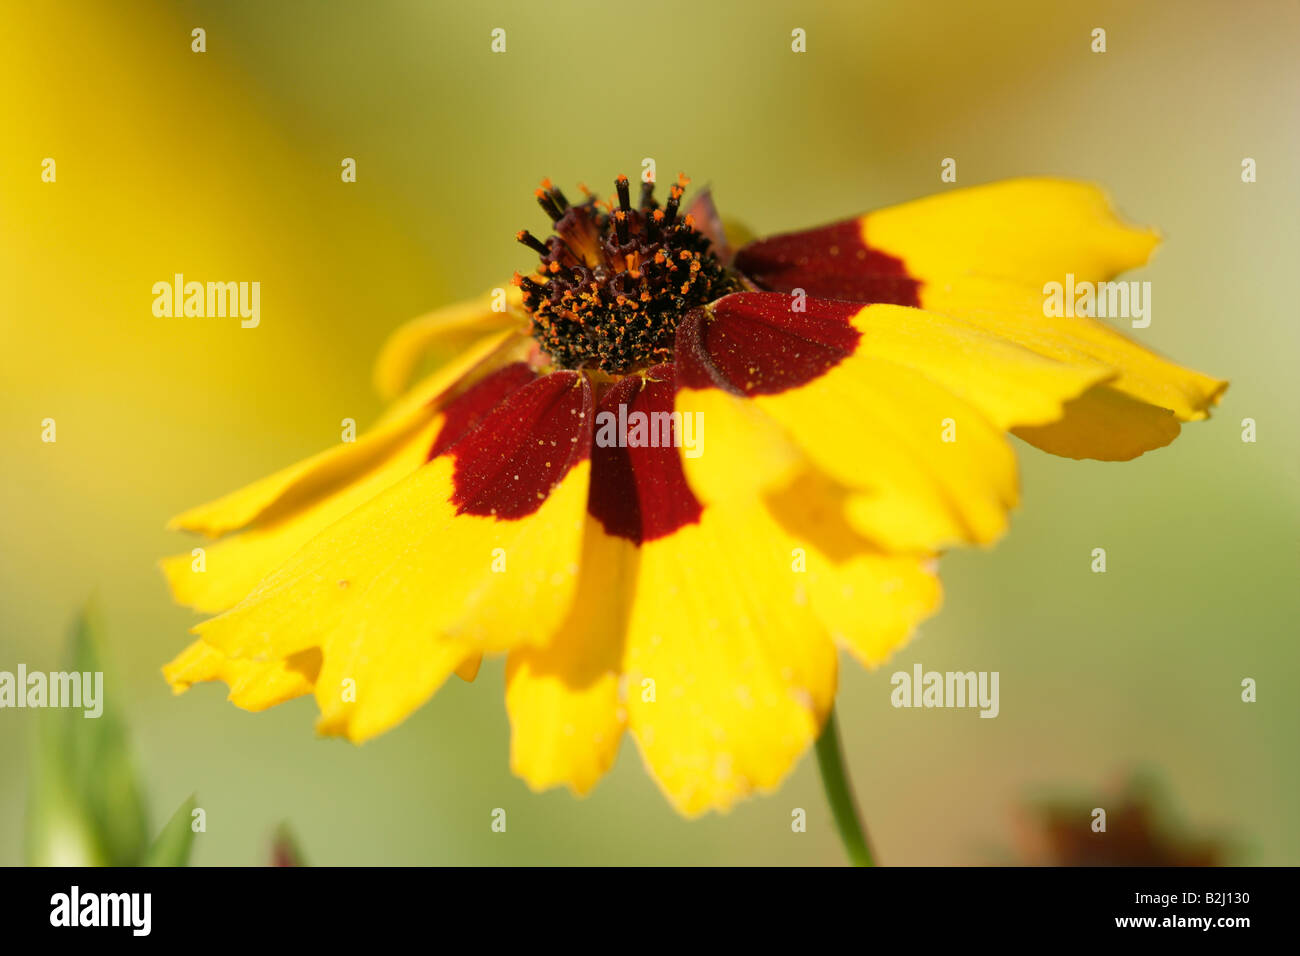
(615, 280)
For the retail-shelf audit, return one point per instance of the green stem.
(830, 761)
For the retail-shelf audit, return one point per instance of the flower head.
(532, 496)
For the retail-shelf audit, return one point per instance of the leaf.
(85, 806)
(172, 848)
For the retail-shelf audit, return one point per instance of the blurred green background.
(226, 165)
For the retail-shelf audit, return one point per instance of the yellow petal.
(434, 602)
(412, 577)
(1106, 425)
(743, 451)
(1024, 230)
(729, 674)
(984, 255)
(447, 327)
(231, 568)
(407, 559)
(1009, 384)
(905, 407)
(566, 717)
(1015, 313)
(370, 681)
(254, 685)
(880, 429)
(869, 601)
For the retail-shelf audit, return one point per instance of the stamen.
(548, 205)
(674, 200)
(532, 242)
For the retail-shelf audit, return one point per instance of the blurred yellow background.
(225, 165)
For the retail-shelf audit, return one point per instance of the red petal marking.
(641, 493)
(511, 460)
(754, 343)
(832, 262)
(464, 413)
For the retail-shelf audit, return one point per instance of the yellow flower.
(857, 382)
